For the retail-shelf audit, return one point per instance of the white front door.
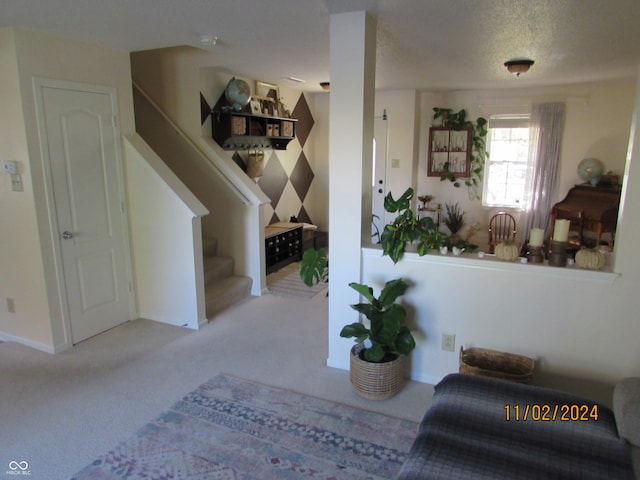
(81, 147)
(379, 178)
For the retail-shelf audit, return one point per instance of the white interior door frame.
(379, 174)
(59, 301)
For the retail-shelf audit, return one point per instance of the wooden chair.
(502, 228)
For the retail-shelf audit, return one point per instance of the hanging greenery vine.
(458, 121)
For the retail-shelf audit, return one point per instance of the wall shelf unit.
(449, 152)
(242, 131)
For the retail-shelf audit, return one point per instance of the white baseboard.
(7, 337)
(172, 321)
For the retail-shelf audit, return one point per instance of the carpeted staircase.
(221, 287)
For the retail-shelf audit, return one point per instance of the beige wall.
(28, 273)
(597, 123)
(21, 261)
(174, 78)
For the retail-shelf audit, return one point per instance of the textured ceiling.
(431, 44)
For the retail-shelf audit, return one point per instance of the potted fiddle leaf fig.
(378, 358)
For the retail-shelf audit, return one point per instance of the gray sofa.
(626, 407)
(481, 428)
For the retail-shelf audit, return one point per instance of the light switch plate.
(16, 182)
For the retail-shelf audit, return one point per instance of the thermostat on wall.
(11, 168)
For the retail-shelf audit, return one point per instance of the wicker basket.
(376, 381)
(491, 363)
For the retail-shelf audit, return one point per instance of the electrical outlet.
(448, 342)
(11, 306)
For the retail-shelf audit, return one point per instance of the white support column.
(353, 52)
(628, 233)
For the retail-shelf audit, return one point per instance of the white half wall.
(166, 238)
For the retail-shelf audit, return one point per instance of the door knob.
(67, 235)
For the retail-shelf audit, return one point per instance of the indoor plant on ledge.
(407, 229)
(378, 359)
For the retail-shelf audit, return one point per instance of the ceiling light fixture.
(208, 40)
(518, 66)
(326, 86)
(297, 80)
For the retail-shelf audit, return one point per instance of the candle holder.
(558, 255)
(534, 254)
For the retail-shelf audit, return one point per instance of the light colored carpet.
(233, 428)
(61, 412)
(287, 282)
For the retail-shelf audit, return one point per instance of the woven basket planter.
(492, 363)
(376, 381)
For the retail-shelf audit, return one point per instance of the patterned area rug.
(230, 428)
(287, 282)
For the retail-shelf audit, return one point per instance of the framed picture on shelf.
(255, 107)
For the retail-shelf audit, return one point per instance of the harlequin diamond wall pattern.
(288, 176)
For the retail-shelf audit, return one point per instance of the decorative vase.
(376, 381)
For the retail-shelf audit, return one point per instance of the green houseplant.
(314, 266)
(378, 359)
(458, 121)
(406, 228)
(453, 218)
(387, 337)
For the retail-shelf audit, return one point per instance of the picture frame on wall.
(267, 91)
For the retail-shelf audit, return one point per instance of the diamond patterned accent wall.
(288, 175)
(305, 120)
(301, 176)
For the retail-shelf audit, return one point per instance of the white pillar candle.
(561, 231)
(536, 237)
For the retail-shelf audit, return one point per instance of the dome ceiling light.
(208, 40)
(518, 66)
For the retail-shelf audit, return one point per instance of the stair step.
(224, 293)
(209, 247)
(217, 268)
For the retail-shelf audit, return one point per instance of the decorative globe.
(237, 93)
(590, 170)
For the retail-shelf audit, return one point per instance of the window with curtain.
(507, 178)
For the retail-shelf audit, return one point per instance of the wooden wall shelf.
(243, 131)
(449, 152)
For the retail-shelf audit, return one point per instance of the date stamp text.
(540, 412)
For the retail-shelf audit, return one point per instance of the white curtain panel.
(545, 136)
